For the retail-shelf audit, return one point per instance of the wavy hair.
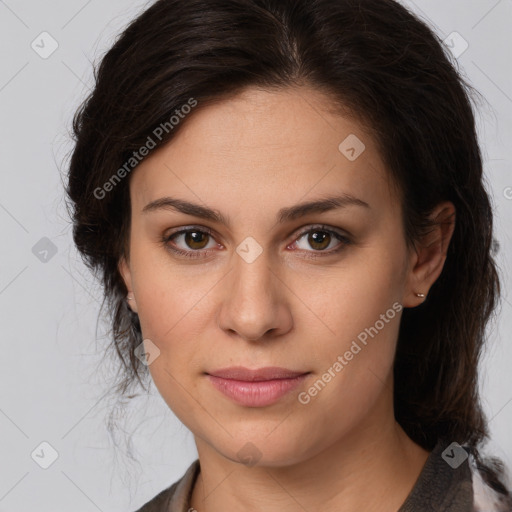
(378, 62)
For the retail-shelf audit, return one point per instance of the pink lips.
(255, 388)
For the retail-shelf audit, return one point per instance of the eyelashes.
(196, 235)
(333, 234)
(188, 231)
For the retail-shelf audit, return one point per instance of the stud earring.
(130, 298)
(421, 295)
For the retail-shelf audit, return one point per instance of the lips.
(260, 374)
(255, 388)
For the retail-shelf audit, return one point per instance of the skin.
(248, 157)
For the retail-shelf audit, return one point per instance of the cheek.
(358, 291)
(358, 313)
(175, 308)
(165, 292)
(171, 312)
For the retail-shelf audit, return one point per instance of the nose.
(254, 302)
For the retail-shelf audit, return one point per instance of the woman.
(284, 199)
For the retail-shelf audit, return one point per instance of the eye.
(194, 242)
(189, 242)
(320, 239)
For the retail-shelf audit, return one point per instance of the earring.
(421, 295)
(130, 298)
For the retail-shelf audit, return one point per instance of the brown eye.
(196, 239)
(191, 242)
(319, 239)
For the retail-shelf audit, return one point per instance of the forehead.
(287, 143)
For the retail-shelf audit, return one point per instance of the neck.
(372, 469)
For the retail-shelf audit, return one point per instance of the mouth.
(255, 388)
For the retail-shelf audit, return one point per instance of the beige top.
(440, 487)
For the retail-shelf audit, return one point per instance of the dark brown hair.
(373, 58)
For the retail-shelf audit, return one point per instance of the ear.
(427, 259)
(126, 274)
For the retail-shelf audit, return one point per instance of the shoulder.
(485, 498)
(160, 502)
(450, 481)
(176, 497)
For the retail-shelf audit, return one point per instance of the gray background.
(52, 370)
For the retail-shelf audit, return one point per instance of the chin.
(262, 450)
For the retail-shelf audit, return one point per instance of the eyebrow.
(284, 215)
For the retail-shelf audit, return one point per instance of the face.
(249, 280)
